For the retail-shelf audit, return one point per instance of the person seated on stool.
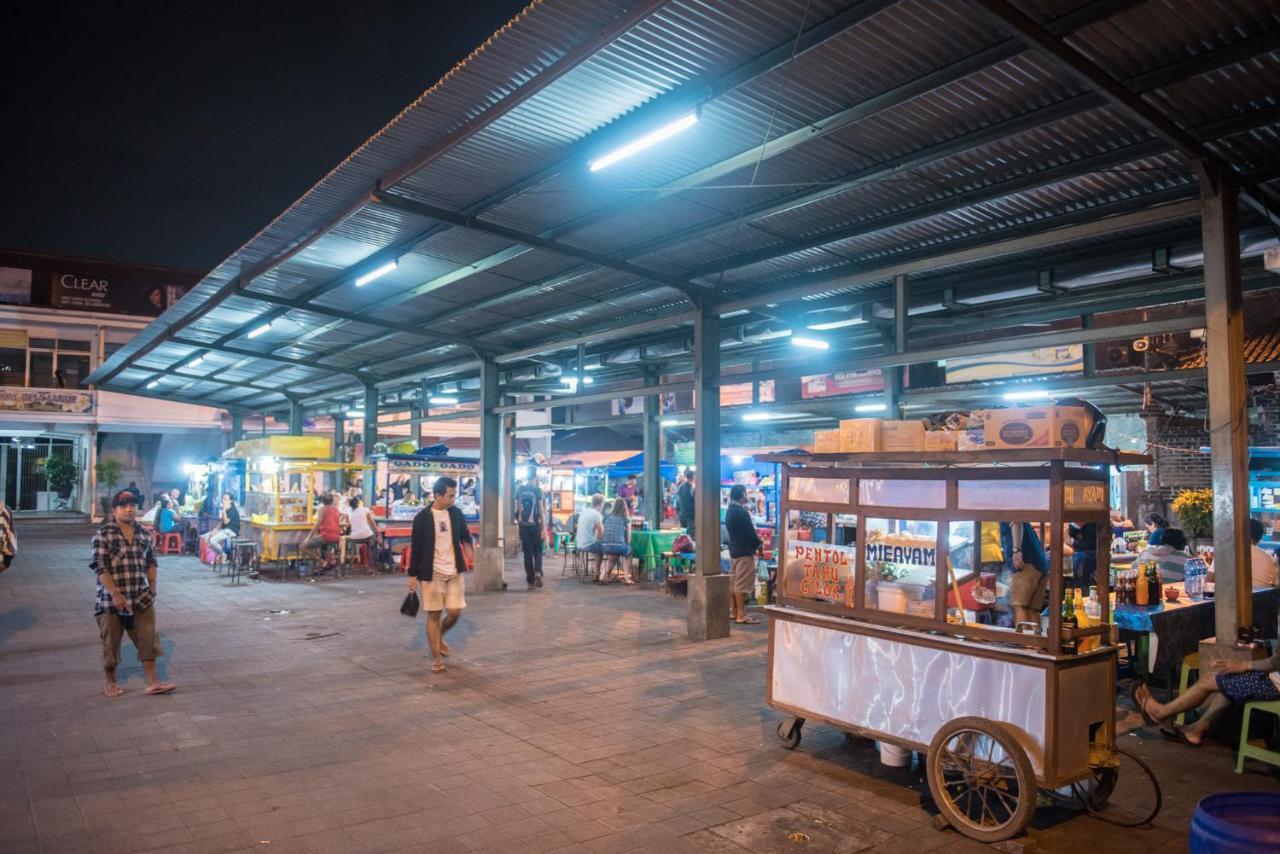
(591, 530)
(228, 526)
(364, 529)
(1225, 683)
(325, 532)
(616, 540)
(167, 520)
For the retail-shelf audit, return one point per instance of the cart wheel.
(981, 779)
(789, 732)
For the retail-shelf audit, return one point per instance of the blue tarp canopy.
(635, 465)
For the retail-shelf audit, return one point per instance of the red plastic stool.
(170, 543)
(363, 561)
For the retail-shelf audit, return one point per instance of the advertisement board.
(1023, 363)
(846, 382)
(15, 286)
(94, 291)
(46, 400)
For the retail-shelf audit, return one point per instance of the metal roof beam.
(1073, 62)
(598, 259)
(268, 357)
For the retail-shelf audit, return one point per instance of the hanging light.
(811, 343)
(377, 273)
(666, 131)
(266, 327)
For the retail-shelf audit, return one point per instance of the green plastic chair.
(1271, 757)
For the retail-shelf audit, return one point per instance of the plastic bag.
(410, 605)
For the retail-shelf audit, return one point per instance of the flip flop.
(1177, 734)
(112, 691)
(748, 621)
(1136, 686)
(437, 667)
(162, 688)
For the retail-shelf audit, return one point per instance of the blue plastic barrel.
(1236, 823)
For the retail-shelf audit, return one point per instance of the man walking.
(440, 547)
(744, 543)
(125, 566)
(684, 503)
(529, 519)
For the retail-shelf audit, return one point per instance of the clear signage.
(96, 291)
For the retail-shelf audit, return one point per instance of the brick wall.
(1175, 442)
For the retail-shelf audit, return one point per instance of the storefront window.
(13, 366)
(74, 369)
(41, 369)
(902, 565)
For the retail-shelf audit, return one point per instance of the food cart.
(873, 635)
(284, 475)
(415, 474)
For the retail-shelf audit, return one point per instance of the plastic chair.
(1271, 757)
(170, 543)
(1190, 664)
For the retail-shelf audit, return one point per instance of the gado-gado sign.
(96, 291)
(46, 400)
(820, 571)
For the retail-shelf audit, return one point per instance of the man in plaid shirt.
(125, 565)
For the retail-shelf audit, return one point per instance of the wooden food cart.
(880, 629)
(284, 474)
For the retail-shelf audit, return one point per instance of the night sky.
(170, 133)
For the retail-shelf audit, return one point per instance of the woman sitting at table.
(616, 542)
(1156, 525)
(167, 520)
(1170, 555)
(1230, 682)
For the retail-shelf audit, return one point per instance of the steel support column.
(370, 439)
(510, 538)
(708, 589)
(237, 428)
(1228, 412)
(296, 417)
(652, 478)
(339, 439)
(489, 559)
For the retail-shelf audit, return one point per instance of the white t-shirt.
(1263, 568)
(360, 524)
(444, 565)
(587, 521)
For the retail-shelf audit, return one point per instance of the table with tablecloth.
(648, 546)
(1176, 629)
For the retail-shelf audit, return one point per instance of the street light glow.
(646, 141)
(377, 273)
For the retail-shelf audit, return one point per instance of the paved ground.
(572, 719)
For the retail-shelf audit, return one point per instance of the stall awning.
(591, 459)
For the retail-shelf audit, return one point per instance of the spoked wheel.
(981, 779)
(1136, 803)
(789, 732)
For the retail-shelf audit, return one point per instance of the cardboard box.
(826, 441)
(970, 440)
(1036, 427)
(861, 435)
(903, 436)
(940, 440)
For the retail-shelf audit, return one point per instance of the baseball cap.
(124, 497)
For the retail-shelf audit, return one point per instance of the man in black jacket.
(440, 553)
(744, 542)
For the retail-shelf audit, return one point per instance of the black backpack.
(527, 515)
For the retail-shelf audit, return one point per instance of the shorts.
(441, 593)
(1026, 588)
(742, 574)
(596, 548)
(143, 634)
(1250, 686)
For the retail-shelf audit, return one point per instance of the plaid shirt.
(128, 564)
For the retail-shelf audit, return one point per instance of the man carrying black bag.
(440, 552)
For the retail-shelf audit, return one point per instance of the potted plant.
(62, 474)
(109, 472)
(1194, 509)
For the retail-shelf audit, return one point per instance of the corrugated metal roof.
(506, 134)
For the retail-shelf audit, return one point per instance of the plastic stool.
(170, 543)
(1190, 664)
(1271, 757)
(364, 561)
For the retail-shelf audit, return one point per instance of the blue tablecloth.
(1178, 630)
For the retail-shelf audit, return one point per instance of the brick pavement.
(571, 719)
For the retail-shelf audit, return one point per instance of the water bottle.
(1194, 577)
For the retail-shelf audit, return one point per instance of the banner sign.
(15, 286)
(820, 571)
(84, 291)
(1025, 363)
(739, 394)
(46, 400)
(847, 382)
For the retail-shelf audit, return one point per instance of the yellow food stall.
(285, 475)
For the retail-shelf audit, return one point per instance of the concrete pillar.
(370, 438)
(295, 418)
(1228, 412)
(709, 588)
(506, 531)
(489, 560)
(340, 438)
(652, 453)
(237, 428)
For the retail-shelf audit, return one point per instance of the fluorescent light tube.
(811, 343)
(1032, 394)
(646, 141)
(835, 324)
(266, 327)
(197, 360)
(757, 416)
(443, 401)
(376, 273)
(355, 413)
(153, 383)
(871, 407)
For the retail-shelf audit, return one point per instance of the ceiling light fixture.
(266, 327)
(811, 343)
(377, 273)
(443, 401)
(757, 416)
(870, 407)
(666, 131)
(1030, 394)
(153, 383)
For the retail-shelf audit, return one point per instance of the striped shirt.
(127, 563)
